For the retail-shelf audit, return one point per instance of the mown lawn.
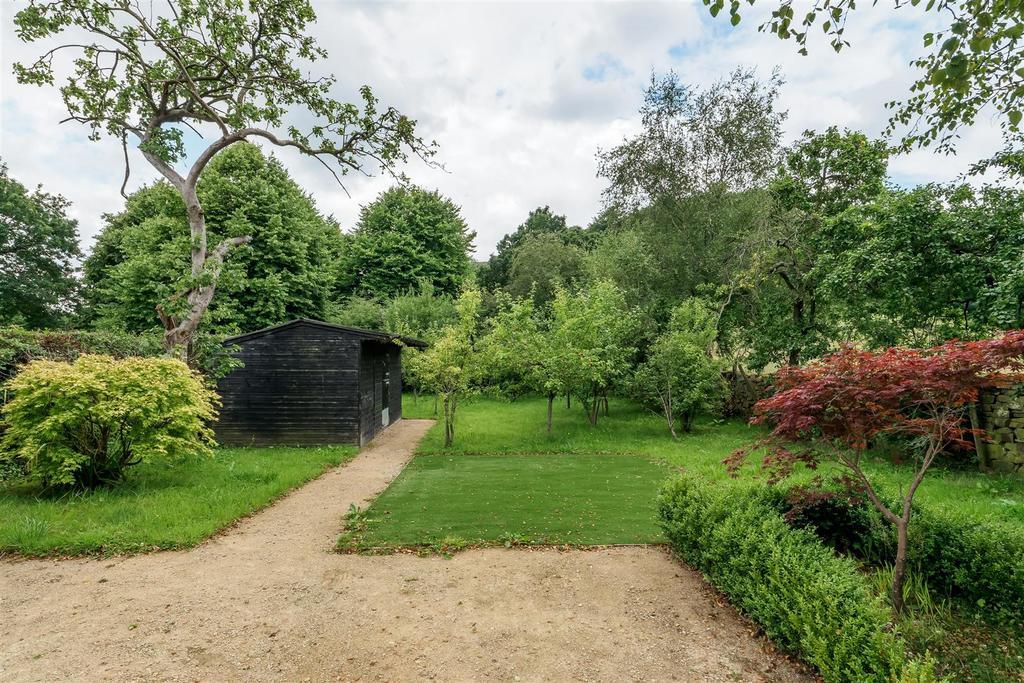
(158, 506)
(493, 426)
(449, 501)
(466, 491)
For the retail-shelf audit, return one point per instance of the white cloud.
(504, 89)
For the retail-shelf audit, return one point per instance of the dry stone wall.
(1001, 413)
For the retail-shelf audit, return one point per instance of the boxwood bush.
(806, 598)
(978, 561)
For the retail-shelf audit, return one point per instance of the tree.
(285, 271)
(594, 334)
(405, 237)
(421, 313)
(679, 377)
(921, 266)
(823, 174)
(217, 65)
(541, 262)
(512, 347)
(836, 408)
(449, 364)
(495, 273)
(974, 63)
(725, 137)
(38, 246)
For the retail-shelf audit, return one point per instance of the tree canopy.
(286, 270)
(236, 69)
(406, 237)
(38, 248)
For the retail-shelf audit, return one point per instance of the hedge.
(806, 598)
(19, 346)
(978, 561)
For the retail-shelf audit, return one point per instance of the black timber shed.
(308, 382)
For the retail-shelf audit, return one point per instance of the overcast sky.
(519, 97)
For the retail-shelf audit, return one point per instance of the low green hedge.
(978, 561)
(805, 597)
(19, 346)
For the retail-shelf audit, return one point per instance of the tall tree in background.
(146, 75)
(725, 137)
(286, 271)
(541, 262)
(974, 62)
(495, 273)
(38, 246)
(823, 175)
(406, 237)
(918, 267)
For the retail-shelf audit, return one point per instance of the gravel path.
(269, 601)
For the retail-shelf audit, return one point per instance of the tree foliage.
(691, 141)
(449, 365)
(495, 274)
(972, 63)
(679, 377)
(38, 247)
(836, 408)
(595, 335)
(233, 68)
(285, 271)
(83, 424)
(405, 237)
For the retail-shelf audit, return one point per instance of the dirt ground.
(269, 601)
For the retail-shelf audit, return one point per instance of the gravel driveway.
(269, 601)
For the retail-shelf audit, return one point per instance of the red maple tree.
(837, 407)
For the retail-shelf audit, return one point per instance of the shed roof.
(366, 335)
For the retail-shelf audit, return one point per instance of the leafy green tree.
(541, 262)
(823, 175)
(691, 141)
(679, 378)
(284, 271)
(595, 335)
(974, 61)
(496, 273)
(923, 266)
(357, 311)
(405, 237)
(234, 69)
(421, 313)
(38, 246)
(449, 365)
(512, 347)
(624, 257)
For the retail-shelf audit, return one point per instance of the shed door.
(385, 392)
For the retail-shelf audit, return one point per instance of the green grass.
(492, 426)
(158, 506)
(418, 509)
(455, 500)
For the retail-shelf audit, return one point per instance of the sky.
(519, 97)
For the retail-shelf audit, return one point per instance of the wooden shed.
(308, 382)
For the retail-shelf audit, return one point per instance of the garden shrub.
(19, 346)
(979, 561)
(82, 424)
(805, 597)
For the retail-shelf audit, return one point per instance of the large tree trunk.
(205, 271)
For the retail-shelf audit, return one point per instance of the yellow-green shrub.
(81, 424)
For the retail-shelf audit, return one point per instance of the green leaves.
(82, 424)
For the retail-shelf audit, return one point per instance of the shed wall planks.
(307, 384)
